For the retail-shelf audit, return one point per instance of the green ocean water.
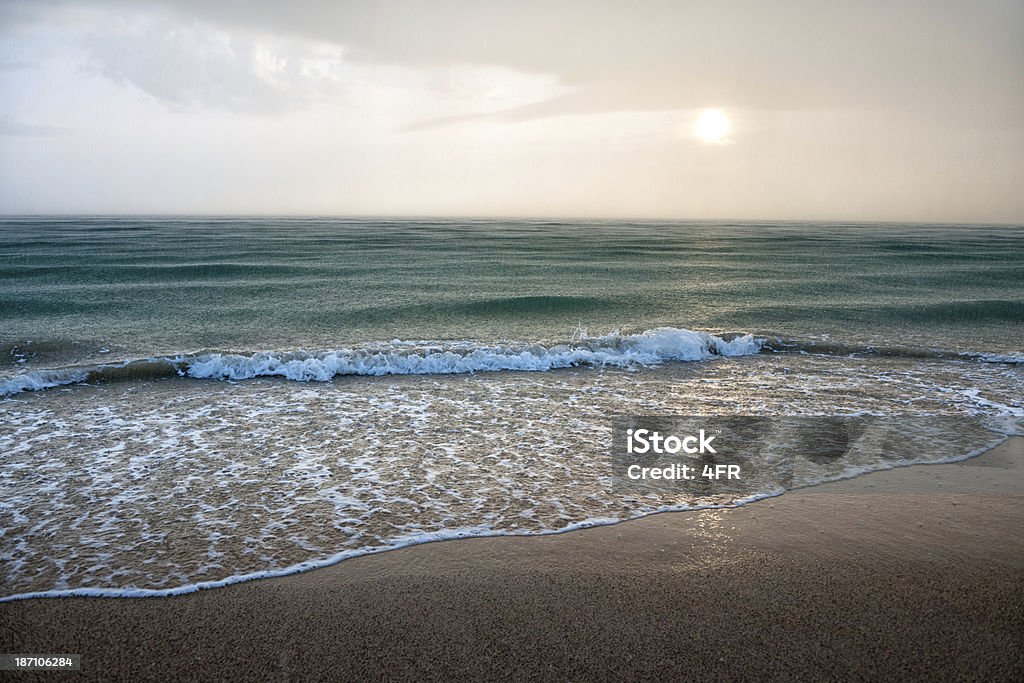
(193, 402)
(74, 289)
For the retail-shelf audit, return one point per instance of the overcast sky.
(841, 110)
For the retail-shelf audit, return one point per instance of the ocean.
(190, 402)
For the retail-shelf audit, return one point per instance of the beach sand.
(911, 574)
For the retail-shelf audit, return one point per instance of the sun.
(712, 126)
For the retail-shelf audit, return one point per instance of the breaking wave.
(396, 357)
(409, 358)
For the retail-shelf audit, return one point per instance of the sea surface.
(189, 402)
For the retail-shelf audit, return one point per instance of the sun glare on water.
(712, 126)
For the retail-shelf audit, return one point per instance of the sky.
(827, 110)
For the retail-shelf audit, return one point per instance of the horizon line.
(471, 217)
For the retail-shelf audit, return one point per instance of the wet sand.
(912, 574)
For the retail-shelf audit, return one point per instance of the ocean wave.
(838, 348)
(398, 357)
(410, 358)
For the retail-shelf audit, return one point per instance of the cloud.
(208, 63)
(941, 58)
(198, 65)
(14, 128)
(16, 64)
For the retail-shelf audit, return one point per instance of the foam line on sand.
(915, 573)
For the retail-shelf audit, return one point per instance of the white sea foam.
(42, 379)
(175, 486)
(472, 531)
(410, 358)
(1009, 358)
(648, 348)
(405, 357)
(479, 531)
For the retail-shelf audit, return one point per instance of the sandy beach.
(911, 574)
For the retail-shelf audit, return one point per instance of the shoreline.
(910, 573)
(326, 563)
